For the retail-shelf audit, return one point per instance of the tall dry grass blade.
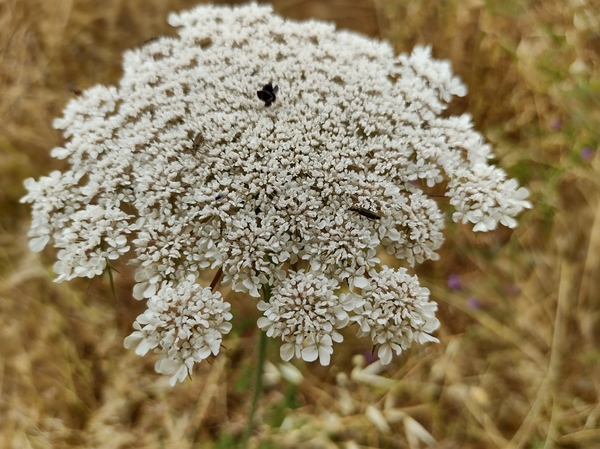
(550, 386)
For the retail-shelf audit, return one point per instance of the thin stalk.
(216, 279)
(260, 363)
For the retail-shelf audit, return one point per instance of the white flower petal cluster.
(96, 234)
(485, 197)
(305, 312)
(394, 310)
(185, 164)
(184, 323)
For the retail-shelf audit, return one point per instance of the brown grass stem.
(216, 279)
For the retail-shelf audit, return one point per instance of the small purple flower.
(512, 290)
(474, 303)
(556, 124)
(455, 282)
(587, 153)
(370, 356)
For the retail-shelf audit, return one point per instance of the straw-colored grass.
(518, 365)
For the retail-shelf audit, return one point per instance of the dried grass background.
(518, 365)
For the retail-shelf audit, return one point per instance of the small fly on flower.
(365, 213)
(354, 167)
(268, 94)
(75, 91)
(198, 141)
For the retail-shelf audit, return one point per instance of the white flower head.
(184, 323)
(306, 313)
(286, 154)
(394, 310)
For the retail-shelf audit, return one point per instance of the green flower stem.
(260, 363)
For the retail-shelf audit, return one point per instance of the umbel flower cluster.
(286, 155)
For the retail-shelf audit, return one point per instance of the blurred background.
(518, 365)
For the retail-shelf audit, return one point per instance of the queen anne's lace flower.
(305, 312)
(393, 309)
(296, 191)
(184, 323)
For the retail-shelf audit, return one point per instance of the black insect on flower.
(366, 213)
(267, 94)
(198, 141)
